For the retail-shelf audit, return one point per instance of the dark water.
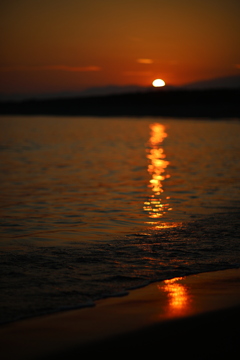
(91, 207)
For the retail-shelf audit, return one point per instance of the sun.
(158, 83)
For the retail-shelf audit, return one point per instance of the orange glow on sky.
(60, 45)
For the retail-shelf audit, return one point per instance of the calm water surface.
(83, 201)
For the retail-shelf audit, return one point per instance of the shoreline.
(201, 310)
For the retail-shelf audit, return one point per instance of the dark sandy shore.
(196, 317)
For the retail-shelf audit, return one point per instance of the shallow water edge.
(208, 244)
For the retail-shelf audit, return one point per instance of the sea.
(92, 207)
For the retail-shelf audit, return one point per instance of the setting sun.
(158, 83)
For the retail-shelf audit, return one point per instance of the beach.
(122, 251)
(196, 317)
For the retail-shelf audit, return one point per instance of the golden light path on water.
(179, 299)
(157, 169)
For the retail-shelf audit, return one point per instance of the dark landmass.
(226, 82)
(220, 103)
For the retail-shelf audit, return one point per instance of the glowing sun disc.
(158, 83)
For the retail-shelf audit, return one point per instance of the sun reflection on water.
(157, 169)
(179, 299)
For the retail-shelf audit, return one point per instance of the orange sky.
(70, 45)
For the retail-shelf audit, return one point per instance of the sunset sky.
(69, 45)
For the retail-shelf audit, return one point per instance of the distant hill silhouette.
(222, 103)
(93, 91)
(229, 82)
(113, 89)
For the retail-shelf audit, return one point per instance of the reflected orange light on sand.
(179, 299)
(156, 168)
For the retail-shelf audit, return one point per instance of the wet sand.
(196, 317)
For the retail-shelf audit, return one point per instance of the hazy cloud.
(75, 68)
(145, 61)
(51, 67)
